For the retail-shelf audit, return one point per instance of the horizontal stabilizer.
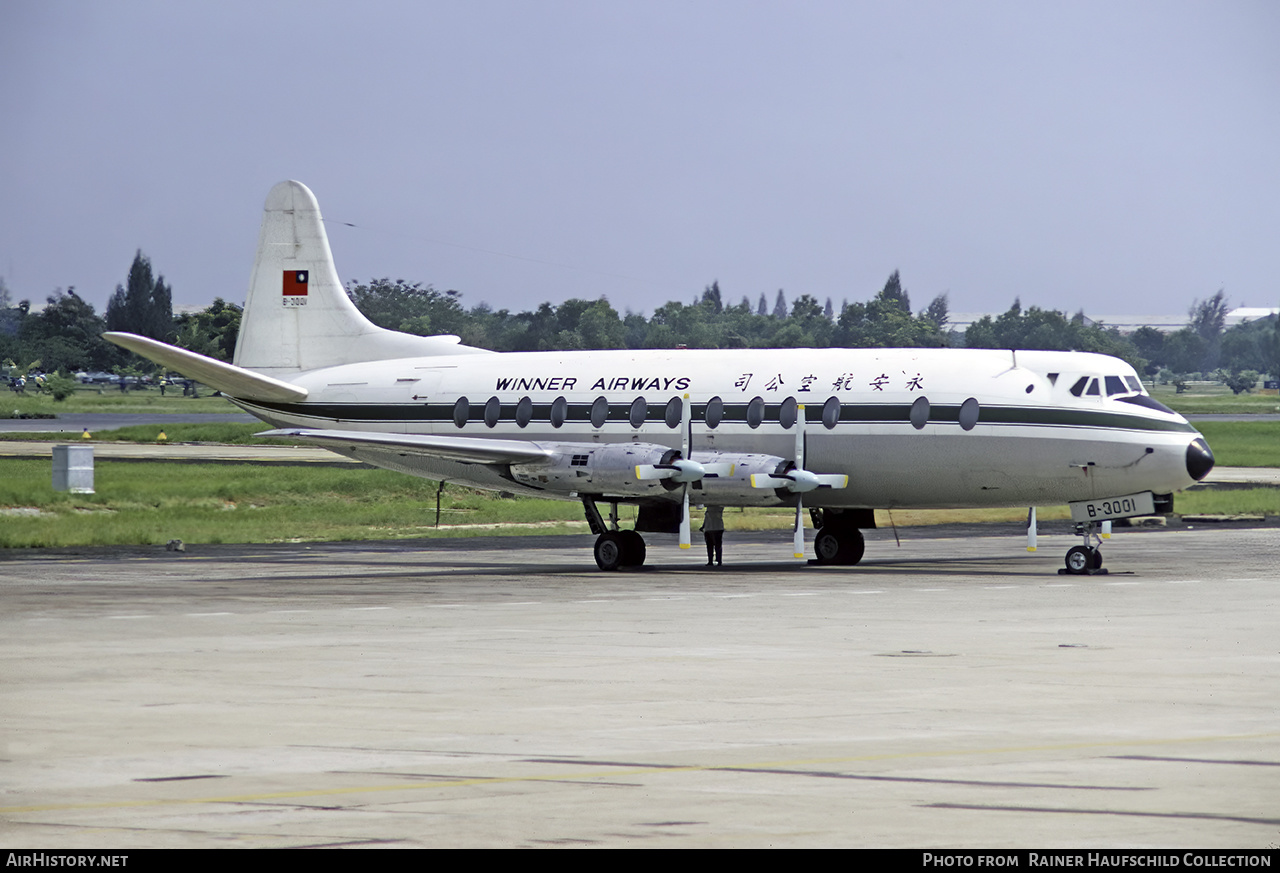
(468, 450)
(227, 378)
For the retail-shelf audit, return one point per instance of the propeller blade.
(686, 427)
(680, 470)
(797, 545)
(799, 481)
(800, 423)
(1031, 529)
(798, 542)
(684, 520)
(686, 446)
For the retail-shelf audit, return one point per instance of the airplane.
(841, 432)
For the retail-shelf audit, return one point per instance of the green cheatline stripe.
(863, 413)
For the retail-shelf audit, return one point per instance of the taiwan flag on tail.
(295, 283)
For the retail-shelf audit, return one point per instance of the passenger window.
(920, 413)
(639, 410)
(675, 412)
(715, 412)
(831, 413)
(492, 410)
(461, 412)
(755, 412)
(524, 412)
(559, 411)
(599, 411)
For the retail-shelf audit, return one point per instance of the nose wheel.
(1085, 560)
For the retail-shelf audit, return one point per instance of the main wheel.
(843, 546)
(610, 548)
(1081, 559)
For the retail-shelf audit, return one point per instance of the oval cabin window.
(675, 412)
(715, 412)
(599, 411)
(831, 413)
(639, 410)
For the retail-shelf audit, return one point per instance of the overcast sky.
(1120, 157)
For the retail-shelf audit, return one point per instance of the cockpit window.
(1092, 390)
(1115, 385)
(1134, 383)
(1078, 388)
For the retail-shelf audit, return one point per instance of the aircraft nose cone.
(1199, 459)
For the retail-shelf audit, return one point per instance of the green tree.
(413, 308)
(938, 312)
(212, 331)
(1208, 318)
(780, 305)
(893, 292)
(145, 305)
(67, 335)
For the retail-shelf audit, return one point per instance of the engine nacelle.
(736, 489)
(609, 468)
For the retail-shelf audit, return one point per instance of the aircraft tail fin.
(297, 316)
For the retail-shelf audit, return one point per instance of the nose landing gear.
(1085, 560)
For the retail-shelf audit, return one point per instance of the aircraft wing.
(227, 378)
(467, 450)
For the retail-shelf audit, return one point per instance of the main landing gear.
(839, 541)
(1085, 560)
(615, 548)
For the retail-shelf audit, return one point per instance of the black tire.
(1080, 560)
(843, 546)
(633, 549)
(1097, 560)
(610, 550)
(826, 546)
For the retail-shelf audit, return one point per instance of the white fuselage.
(909, 427)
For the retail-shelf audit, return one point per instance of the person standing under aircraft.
(713, 533)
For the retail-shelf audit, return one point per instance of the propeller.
(1031, 529)
(684, 469)
(798, 480)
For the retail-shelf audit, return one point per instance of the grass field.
(111, 400)
(1206, 398)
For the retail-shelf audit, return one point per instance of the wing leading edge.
(466, 450)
